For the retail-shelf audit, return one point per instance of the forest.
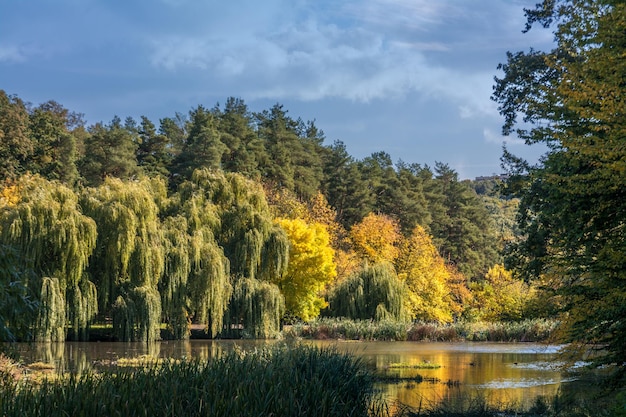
(237, 221)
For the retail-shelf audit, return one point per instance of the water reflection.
(498, 372)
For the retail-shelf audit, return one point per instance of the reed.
(535, 330)
(282, 380)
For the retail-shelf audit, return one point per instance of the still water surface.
(510, 373)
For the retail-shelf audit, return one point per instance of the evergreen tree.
(152, 150)
(110, 151)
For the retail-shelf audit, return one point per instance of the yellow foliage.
(310, 269)
(9, 195)
(375, 238)
(500, 296)
(426, 277)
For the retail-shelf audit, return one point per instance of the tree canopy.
(573, 205)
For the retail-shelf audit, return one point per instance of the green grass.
(280, 381)
(536, 330)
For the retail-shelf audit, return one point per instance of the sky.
(412, 78)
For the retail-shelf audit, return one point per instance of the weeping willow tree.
(55, 240)
(375, 292)
(129, 258)
(196, 283)
(255, 249)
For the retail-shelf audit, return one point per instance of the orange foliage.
(375, 238)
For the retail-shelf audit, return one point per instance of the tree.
(500, 296)
(375, 238)
(257, 250)
(573, 203)
(344, 186)
(53, 238)
(310, 268)
(245, 149)
(373, 293)
(426, 277)
(55, 148)
(129, 257)
(152, 150)
(18, 305)
(110, 151)
(464, 233)
(15, 142)
(203, 147)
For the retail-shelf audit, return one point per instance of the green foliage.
(129, 257)
(572, 206)
(375, 292)
(55, 241)
(285, 381)
(15, 142)
(110, 151)
(18, 306)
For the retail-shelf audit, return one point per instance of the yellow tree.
(500, 296)
(426, 277)
(310, 268)
(375, 238)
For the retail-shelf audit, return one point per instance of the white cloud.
(361, 51)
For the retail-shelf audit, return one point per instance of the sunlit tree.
(310, 268)
(55, 240)
(129, 258)
(426, 277)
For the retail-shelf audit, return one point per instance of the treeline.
(236, 220)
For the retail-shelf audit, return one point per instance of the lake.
(509, 373)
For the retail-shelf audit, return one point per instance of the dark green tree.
(464, 232)
(573, 202)
(246, 150)
(153, 156)
(344, 186)
(55, 148)
(15, 142)
(110, 151)
(203, 147)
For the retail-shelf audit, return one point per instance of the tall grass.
(280, 381)
(535, 330)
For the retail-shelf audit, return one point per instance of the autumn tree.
(426, 277)
(572, 207)
(310, 268)
(375, 238)
(499, 296)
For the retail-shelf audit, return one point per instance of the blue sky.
(408, 77)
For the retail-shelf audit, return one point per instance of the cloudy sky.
(408, 77)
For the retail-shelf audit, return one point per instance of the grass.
(536, 330)
(285, 381)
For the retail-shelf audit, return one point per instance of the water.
(500, 373)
